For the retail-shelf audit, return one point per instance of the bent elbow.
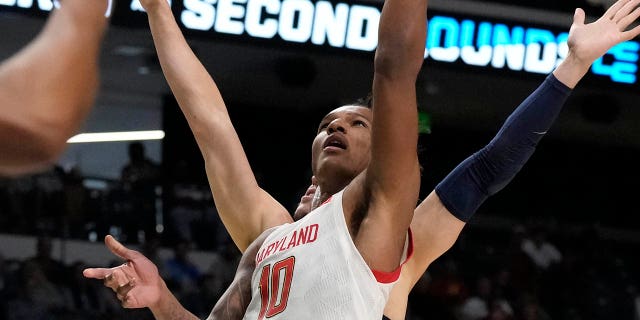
(50, 149)
(28, 152)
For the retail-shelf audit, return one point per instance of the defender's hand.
(588, 42)
(137, 282)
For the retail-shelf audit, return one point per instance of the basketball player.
(438, 220)
(368, 172)
(47, 88)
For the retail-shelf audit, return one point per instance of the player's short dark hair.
(366, 101)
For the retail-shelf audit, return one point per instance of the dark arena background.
(561, 241)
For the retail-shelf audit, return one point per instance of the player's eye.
(359, 123)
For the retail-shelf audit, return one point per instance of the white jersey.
(311, 269)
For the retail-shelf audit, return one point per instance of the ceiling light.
(117, 136)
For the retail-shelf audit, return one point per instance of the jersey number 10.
(274, 295)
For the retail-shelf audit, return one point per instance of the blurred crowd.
(142, 204)
(43, 288)
(536, 271)
(523, 273)
(539, 272)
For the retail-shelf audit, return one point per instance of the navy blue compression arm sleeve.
(487, 171)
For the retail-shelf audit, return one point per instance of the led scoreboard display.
(478, 42)
(516, 47)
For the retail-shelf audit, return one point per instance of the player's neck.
(329, 188)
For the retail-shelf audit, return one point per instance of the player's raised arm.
(438, 220)
(391, 182)
(47, 88)
(244, 207)
(398, 59)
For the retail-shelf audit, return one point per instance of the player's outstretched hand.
(137, 282)
(588, 42)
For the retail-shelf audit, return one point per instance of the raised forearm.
(438, 220)
(494, 166)
(392, 179)
(401, 38)
(190, 83)
(571, 70)
(399, 56)
(241, 204)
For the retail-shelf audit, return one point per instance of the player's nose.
(337, 125)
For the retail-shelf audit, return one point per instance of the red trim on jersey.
(389, 277)
(327, 201)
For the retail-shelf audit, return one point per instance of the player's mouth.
(335, 142)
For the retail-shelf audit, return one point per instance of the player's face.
(342, 145)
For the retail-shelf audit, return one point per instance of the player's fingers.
(116, 279)
(123, 290)
(119, 250)
(110, 282)
(578, 17)
(314, 180)
(128, 270)
(611, 12)
(96, 273)
(628, 35)
(624, 11)
(629, 19)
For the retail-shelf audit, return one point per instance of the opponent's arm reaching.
(47, 88)
(245, 208)
(439, 219)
